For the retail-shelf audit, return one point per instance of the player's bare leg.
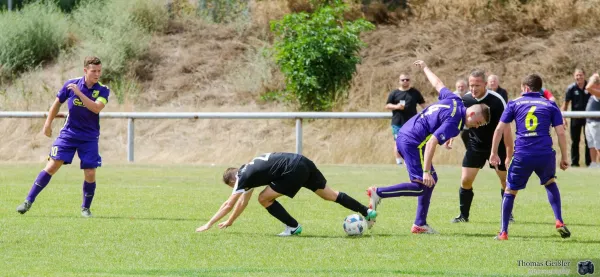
(39, 184)
(89, 189)
(267, 199)
(349, 203)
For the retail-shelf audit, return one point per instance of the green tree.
(318, 54)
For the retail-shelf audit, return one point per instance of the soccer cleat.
(562, 230)
(291, 231)
(425, 229)
(511, 219)
(370, 218)
(85, 212)
(460, 218)
(24, 207)
(374, 199)
(502, 236)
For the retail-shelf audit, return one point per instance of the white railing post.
(130, 139)
(10, 5)
(298, 135)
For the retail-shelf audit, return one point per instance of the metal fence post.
(130, 139)
(10, 5)
(299, 135)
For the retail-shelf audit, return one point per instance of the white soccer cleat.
(291, 231)
(374, 199)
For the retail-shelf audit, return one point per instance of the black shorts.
(475, 159)
(306, 174)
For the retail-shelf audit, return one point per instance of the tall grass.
(118, 31)
(34, 35)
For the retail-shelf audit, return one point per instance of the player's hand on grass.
(564, 164)
(203, 228)
(48, 130)
(448, 143)
(428, 180)
(224, 224)
(420, 64)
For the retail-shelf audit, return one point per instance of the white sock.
(398, 161)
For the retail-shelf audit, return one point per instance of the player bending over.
(416, 143)
(285, 174)
(533, 115)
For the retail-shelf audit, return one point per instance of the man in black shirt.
(578, 97)
(480, 142)
(403, 104)
(284, 174)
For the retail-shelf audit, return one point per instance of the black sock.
(465, 197)
(502, 194)
(280, 213)
(351, 204)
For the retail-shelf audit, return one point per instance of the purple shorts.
(413, 156)
(522, 166)
(64, 149)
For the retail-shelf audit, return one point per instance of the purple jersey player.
(534, 116)
(417, 140)
(85, 97)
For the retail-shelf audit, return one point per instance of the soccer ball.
(355, 225)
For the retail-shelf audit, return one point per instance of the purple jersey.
(534, 115)
(443, 119)
(81, 123)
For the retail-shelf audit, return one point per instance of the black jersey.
(264, 169)
(480, 139)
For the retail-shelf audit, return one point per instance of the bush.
(318, 54)
(223, 11)
(31, 36)
(121, 34)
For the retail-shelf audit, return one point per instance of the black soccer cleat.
(561, 228)
(24, 207)
(460, 218)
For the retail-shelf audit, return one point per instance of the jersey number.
(531, 121)
(263, 157)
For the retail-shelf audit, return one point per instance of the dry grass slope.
(196, 66)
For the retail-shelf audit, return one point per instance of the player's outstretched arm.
(223, 211)
(239, 208)
(51, 115)
(433, 79)
(500, 129)
(562, 144)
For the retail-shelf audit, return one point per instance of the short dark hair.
(91, 60)
(229, 175)
(533, 81)
(579, 70)
(478, 73)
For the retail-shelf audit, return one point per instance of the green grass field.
(145, 217)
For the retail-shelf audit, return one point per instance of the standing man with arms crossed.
(533, 116)
(578, 97)
(403, 104)
(479, 143)
(417, 141)
(86, 97)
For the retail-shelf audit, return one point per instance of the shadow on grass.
(548, 223)
(118, 218)
(553, 237)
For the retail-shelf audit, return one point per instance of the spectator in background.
(577, 96)
(403, 104)
(592, 126)
(493, 83)
(461, 88)
(546, 93)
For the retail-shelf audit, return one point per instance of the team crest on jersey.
(95, 93)
(77, 102)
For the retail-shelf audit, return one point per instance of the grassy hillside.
(194, 65)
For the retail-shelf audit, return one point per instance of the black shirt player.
(480, 141)
(283, 174)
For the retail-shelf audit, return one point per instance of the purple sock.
(88, 194)
(40, 183)
(507, 206)
(403, 189)
(554, 199)
(423, 206)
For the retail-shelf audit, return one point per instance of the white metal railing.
(298, 116)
